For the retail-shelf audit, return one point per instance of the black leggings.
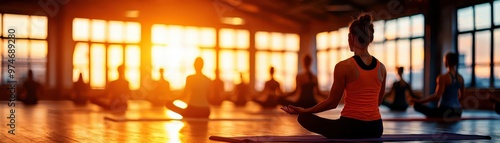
(190, 111)
(341, 128)
(441, 112)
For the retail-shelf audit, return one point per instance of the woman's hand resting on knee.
(293, 110)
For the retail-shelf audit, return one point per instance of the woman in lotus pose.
(307, 86)
(450, 87)
(399, 89)
(196, 93)
(362, 77)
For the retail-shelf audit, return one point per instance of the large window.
(332, 47)
(30, 46)
(478, 44)
(278, 50)
(397, 43)
(233, 56)
(102, 46)
(176, 47)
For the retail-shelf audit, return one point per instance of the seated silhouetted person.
(31, 90)
(116, 94)
(307, 87)
(399, 89)
(195, 94)
(272, 91)
(217, 94)
(496, 102)
(80, 91)
(162, 88)
(241, 93)
(449, 90)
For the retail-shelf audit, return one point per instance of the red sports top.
(362, 95)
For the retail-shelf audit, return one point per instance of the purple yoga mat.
(389, 137)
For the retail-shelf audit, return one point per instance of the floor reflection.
(172, 131)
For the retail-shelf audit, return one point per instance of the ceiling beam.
(267, 16)
(280, 8)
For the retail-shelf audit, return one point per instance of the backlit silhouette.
(80, 91)
(399, 89)
(271, 92)
(31, 90)
(195, 94)
(116, 94)
(307, 86)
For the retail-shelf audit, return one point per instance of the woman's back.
(400, 88)
(307, 83)
(362, 92)
(450, 94)
(272, 86)
(198, 88)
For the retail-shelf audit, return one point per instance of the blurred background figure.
(271, 92)
(80, 91)
(449, 89)
(162, 88)
(217, 94)
(307, 86)
(496, 101)
(240, 95)
(196, 93)
(31, 90)
(398, 90)
(116, 94)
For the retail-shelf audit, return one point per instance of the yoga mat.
(403, 119)
(121, 119)
(317, 138)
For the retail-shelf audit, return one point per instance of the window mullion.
(492, 76)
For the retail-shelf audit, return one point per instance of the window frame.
(410, 37)
(123, 44)
(29, 59)
(473, 32)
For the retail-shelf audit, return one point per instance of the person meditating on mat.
(241, 93)
(162, 87)
(196, 92)
(31, 90)
(272, 91)
(116, 94)
(496, 102)
(450, 87)
(217, 94)
(80, 91)
(399, 89)
(362, 77)
(307, 86)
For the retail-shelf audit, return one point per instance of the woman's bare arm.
(441, 85)
(336, 92)
(382, 88)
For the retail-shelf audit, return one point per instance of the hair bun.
(365, 18)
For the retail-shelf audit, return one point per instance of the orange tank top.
(362, 95)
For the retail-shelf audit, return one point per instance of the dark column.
(433, 52)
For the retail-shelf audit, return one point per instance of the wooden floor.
(62, 121)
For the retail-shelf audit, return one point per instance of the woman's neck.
(362, 53)
(452, 70)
